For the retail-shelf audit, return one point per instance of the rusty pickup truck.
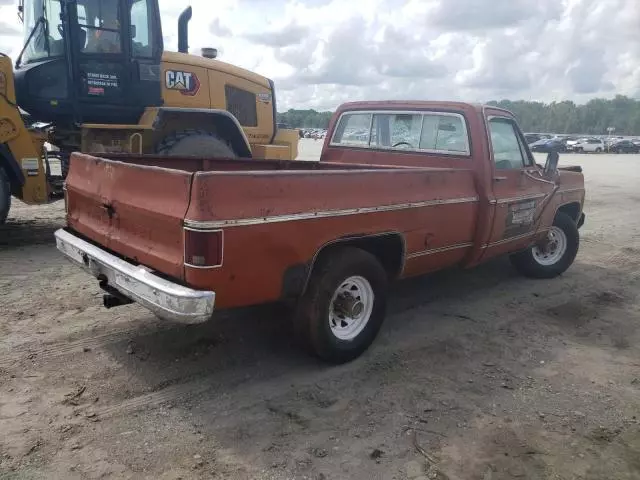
(401, 189)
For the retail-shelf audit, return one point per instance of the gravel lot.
(476, 374)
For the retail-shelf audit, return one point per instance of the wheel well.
(220, 122)
(571, 209)
(388, 248)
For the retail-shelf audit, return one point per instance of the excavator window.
(141, 40)
(100, 29)
(43, 30)
(101, 23)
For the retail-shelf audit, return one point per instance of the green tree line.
(305, 118)
(594, 117)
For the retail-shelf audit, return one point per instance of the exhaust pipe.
(183, 30)
(112, 301)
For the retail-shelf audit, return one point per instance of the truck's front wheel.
(195, 143)
(341, 312)
(553, 257)
(5, 195)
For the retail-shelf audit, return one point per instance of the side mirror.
(551, 165)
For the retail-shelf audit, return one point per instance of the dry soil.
(476, 374)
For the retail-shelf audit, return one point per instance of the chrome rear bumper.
(168, 300)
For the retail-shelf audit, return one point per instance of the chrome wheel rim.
(351, 307)
(554, 248)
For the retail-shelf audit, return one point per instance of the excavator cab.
(89, 61)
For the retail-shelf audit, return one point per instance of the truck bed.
(273, 213)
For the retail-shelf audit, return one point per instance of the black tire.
(312, 315)
(598, 150)
(526, 261)
(195, 143)
(5, 196)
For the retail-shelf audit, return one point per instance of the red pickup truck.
(401, 189)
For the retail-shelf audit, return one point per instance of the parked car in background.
(624, 146)
(589, 145)
(570, 144)
(548, 145)
(535, 137)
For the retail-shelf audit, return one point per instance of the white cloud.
(323, 52)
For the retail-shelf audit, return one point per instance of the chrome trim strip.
(570, 190)
(168, 300)
(242, 222)
(438, 250)
(536, 179)
(501, 201)
(513, 239)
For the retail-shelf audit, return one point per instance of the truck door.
(518, 191)
(115, 52)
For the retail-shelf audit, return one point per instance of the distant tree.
(593, 117)
(622, 113)
(305, 118)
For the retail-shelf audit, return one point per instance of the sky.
(321, 53)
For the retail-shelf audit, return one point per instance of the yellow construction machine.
(93, 76)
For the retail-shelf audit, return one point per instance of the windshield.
(99, 28)
(46, 40)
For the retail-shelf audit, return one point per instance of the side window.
(396, 130)
(446, 133)
(507, 151)
(353, 130)
(141, 38)
(99, 19)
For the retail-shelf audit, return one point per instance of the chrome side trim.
(570, 190)
(513, 239)
(501, 201)
(438, 250)
(537, 179)
(242, 222)
(166, 299)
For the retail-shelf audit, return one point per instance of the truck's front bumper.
(168, 300)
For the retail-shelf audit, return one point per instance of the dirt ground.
(476, 374)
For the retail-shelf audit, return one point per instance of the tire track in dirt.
(58, 349)
(171, 394)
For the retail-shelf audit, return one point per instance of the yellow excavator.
(93, 76)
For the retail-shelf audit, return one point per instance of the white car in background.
(589, 145)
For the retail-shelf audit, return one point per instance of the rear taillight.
(203, 249)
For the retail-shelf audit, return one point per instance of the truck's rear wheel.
(5, 195)
(344, 305)
(555, 256)
(195, 143)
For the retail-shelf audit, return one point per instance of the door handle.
(499, 179)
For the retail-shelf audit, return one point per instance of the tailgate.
(134, 210)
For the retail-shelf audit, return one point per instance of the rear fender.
(169, 120)
(388, 247)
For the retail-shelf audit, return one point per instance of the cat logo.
(185, 82)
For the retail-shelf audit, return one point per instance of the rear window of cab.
(431, 132)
